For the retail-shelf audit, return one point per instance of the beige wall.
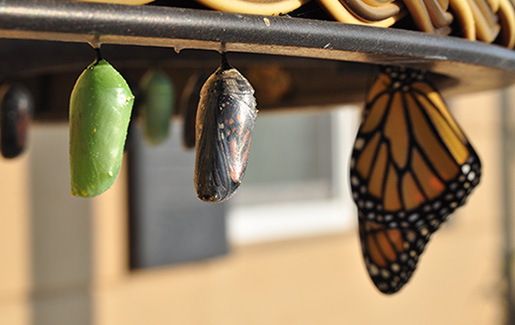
(14, 242)
(67, 265)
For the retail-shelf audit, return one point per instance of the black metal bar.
(203, 29)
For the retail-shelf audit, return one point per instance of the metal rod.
(475, 64)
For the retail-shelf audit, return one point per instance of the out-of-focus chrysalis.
(136, 92)
(100, 109)
(16, 106)
(225, 120)
(157, 105)
(188, 108)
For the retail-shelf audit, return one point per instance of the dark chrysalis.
(188, 109)
(100, 109)
(157, 106)
(16, 106)
(225, 120)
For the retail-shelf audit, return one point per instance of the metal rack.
(148, 33)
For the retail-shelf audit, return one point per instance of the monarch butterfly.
(16, 106)
(411, 167)
(225, 120)
(157, 105)
(100, 109)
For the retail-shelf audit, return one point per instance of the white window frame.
(251, 224)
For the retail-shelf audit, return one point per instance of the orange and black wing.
(391, 255)
(411, 165)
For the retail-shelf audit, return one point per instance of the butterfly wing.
(391, 255)
(411, 164)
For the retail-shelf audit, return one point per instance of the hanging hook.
(98, 54)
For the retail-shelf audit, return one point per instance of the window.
(168, 224)
(296, 183)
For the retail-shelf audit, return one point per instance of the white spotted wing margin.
(391, 255)
(411, 165)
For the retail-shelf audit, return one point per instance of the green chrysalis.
(157, 106)
(100, 109)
